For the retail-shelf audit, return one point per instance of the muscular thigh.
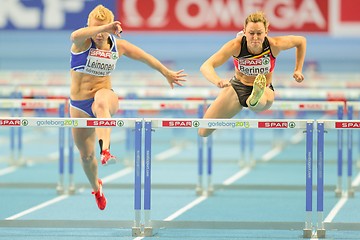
(84, 138)
(106, 98)
(226, 105)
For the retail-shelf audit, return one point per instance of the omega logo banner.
(222, 15)
(335, 17)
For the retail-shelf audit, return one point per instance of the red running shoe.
(100, 197)
(107, 158)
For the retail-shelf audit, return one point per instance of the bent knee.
(100, 105)
(87, 158)
(203, 132)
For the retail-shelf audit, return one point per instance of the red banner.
(222, 15)
(350, 11)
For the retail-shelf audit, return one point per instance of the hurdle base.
(149, 232)
(60, 190)
(210, 191)
(307, 233)
(338, 192)
(199, 191)
(351, 193)
(252, 162)
(72, 190)
(136, 232)
(320, 233)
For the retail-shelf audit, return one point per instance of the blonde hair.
(101, 13)
(257, 17)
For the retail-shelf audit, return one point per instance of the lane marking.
(186, 208)
(168, 153)
(271, 154)
(236, 176)
(38, 207)
(7, 170)
(340, 204)
(356, 181)
(117, 175)
(297, 137)
(109, 178)
(336, 209)
(266, 157)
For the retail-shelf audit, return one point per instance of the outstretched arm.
(136, 53)
(287, 42)
(217, 59)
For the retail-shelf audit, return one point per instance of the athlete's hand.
(114, 28)
(223, 83)
(175, 77)
(298, 76)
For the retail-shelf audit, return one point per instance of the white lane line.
(7, 170)
(341, 202)
(268, 156)
(109, 178)
(271, 154)
(186, 208)
(336, 209)
(356, 181)
(297, 137)
(236, 176)
(117, 175)
(40, 206)
(168, 153)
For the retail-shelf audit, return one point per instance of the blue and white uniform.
(95, 62)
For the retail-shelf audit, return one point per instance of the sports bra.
(250, 64)
(95, 61)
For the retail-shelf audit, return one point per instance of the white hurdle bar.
(31, 103)
(300, 106)
(280, 105)
(151, 123)
(93, 123)
(304, 106)
(16, 106)
(301, 94)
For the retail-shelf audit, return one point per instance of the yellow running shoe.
(258, 89)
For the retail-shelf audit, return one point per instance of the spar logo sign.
(103, 54)
(347, 124)
(10, 122)
(104, 123)
(24, 122)
(180, 123)
(276, 125)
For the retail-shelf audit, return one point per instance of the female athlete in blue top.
(94, 53)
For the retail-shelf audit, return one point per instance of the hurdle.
(322, 126)
(353, 106)
(300, 106)
(150, 123)
(18, 105)
(86, 123)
